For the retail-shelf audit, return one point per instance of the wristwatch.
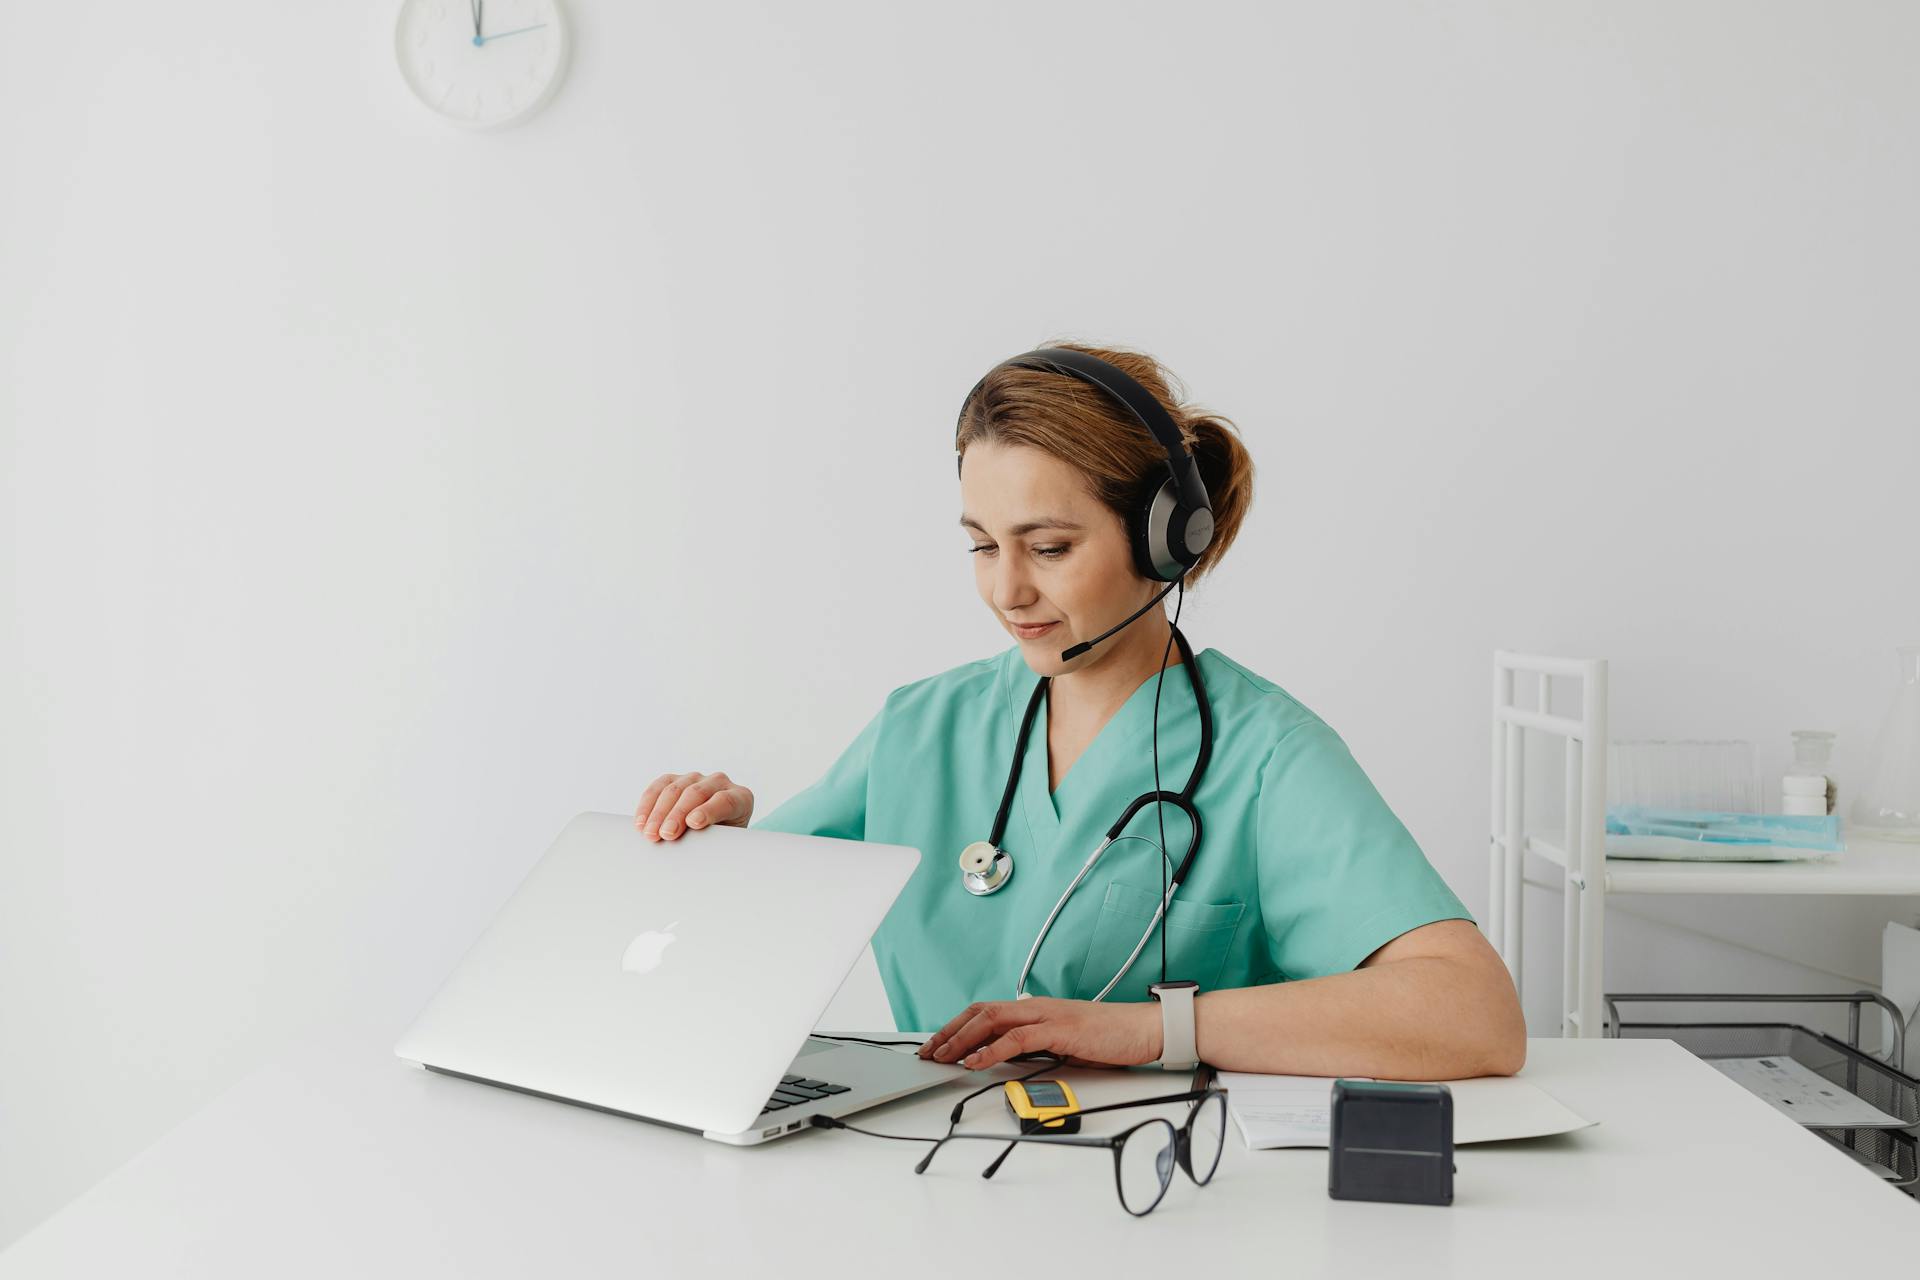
(1177, 1050)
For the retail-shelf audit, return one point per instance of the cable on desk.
(819, 1121)
(821, 1035)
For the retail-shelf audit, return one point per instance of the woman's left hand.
(1082, 1032)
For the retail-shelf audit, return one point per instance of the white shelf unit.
(1582, 835)
(1870, 865)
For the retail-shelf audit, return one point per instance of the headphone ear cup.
(1158, 553)
(1140, 534)
(1198, 534)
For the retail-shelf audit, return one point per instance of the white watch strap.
(1177, 1048)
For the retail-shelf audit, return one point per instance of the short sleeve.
(1339, 874)
(836, 805)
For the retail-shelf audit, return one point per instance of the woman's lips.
(1034, 632)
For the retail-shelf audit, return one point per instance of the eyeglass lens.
(1207, 1137)
(1146, 1165)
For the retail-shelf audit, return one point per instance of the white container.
(1807, 790)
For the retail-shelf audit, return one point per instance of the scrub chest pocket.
(1199, 939)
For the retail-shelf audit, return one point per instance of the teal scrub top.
(1303, 870)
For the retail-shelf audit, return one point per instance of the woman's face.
(1046, 551)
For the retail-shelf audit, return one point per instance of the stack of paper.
(1296, 1111)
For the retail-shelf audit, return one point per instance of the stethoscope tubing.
(1160, 911)
(1181, 800)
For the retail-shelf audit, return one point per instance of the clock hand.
(473, 7)
(516, 31)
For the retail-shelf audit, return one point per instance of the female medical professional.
(1321, 940)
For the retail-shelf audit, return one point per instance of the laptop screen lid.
(673, 980)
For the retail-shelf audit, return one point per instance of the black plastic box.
(1391, 1141)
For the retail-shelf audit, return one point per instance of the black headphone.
(1172, 527)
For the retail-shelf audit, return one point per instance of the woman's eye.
(1050, 553)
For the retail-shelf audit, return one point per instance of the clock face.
(482, 63)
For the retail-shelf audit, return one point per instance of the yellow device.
(1043, 1106)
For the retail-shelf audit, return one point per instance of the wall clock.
(482, 64)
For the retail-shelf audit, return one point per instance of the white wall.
(377, 495)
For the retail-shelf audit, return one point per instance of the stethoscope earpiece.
(984, 868)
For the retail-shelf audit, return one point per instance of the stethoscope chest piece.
(984, 869)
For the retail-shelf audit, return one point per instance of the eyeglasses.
(1143, 1155)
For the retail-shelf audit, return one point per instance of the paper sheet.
(1798, 1091)
(1297, 1111)
(1280, 1111)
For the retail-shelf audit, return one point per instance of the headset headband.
(1139, 403)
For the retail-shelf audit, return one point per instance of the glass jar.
(1888, 802)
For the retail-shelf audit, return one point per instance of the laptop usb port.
(793, 1126)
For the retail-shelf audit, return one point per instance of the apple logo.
(644, 952)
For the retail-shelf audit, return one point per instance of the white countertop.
(343, 1161)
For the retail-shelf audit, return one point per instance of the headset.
(1169, 530)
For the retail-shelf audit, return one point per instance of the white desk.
(349, 1163)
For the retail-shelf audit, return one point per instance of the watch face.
(481, 63)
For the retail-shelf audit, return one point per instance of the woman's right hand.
(677, 801)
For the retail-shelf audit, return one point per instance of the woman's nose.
(1011, 591)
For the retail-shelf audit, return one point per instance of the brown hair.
(1123, 465)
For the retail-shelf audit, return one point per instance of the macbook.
(678, 981)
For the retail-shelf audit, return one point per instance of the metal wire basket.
(1892, 1153)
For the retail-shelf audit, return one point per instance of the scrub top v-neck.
(1303, 869)
(1128, 728)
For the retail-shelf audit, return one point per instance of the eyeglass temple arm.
(1192, 1095)
(998, 1160)
(1058, 1140)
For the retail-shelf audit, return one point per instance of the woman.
(1322, 940)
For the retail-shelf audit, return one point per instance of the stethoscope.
(986, 867)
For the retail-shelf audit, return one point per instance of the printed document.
(1795, 1089)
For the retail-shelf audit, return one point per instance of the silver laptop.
(678, 981)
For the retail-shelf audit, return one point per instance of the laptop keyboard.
(797, 1091)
